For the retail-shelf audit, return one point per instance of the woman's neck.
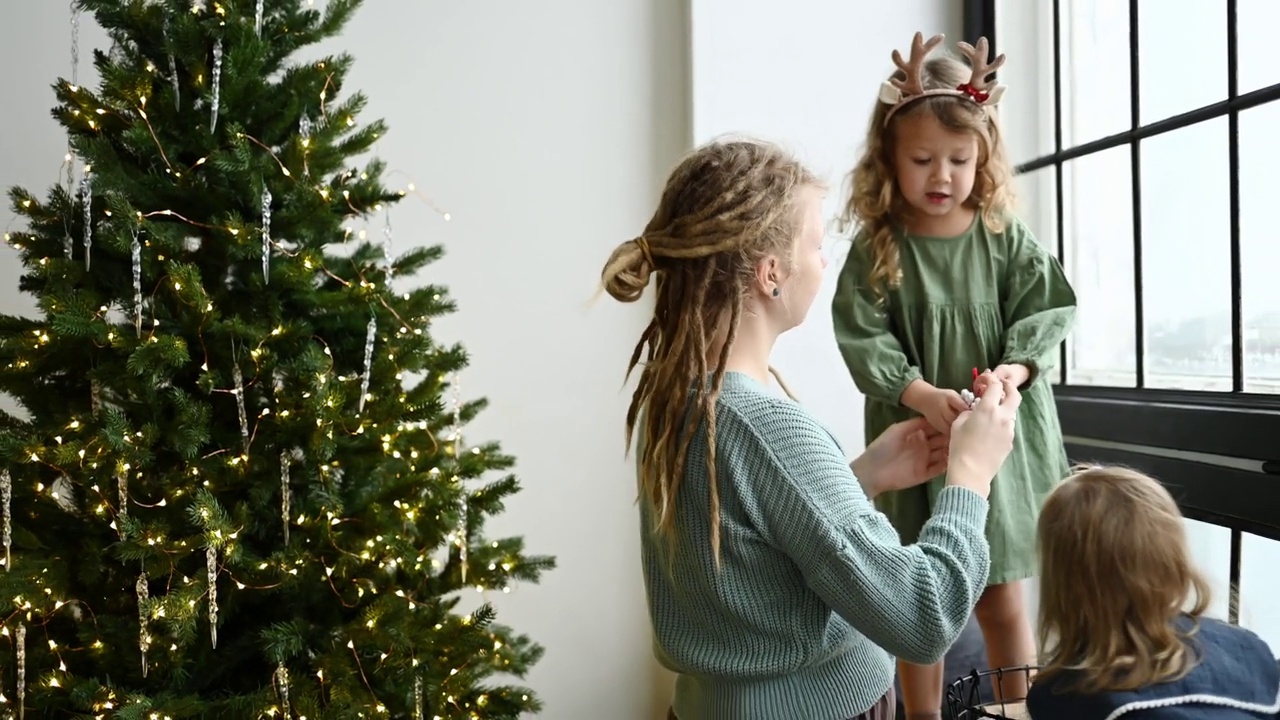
(751, 349)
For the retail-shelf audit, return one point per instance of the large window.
(1144, 132)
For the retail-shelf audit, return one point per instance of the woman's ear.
(768, 276)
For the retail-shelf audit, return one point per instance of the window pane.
(1095, 69)
(1259, 588)
(1024, 31)
(1182, 64)
(1260, 247)
(1210, 547)
(1186, 258)
(1256, 22)
(1038, 208)
(1098, 203)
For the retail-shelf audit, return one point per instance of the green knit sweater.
(815, 591)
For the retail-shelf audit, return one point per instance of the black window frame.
(1103, 424)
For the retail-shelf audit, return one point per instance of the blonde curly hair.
(875, 207)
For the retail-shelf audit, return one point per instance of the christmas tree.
(236, 487)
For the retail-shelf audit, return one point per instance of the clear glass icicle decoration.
(122, 487)
(284, 493)
(135, 259)
(211, 567)
(455, 437)
(304, 131)
(238, 391)
(86, 196)
(266, 235)
(173, 73)
(217, 85)
(75, 42)
(417, 698)
(371, 333)
(257, 28)
(20, 640)
(282, 685)
(386, 242)
(75, 82)
(144, 634)
(6, 498)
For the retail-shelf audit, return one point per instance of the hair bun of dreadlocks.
(627, 273)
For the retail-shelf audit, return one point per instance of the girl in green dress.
(942, 279)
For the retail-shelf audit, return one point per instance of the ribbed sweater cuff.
(962, 505)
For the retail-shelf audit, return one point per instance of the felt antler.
(912, 84)
(981, 89)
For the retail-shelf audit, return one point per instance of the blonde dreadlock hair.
(727, 205)
(876, 207)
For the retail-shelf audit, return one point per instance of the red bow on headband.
(973, 92)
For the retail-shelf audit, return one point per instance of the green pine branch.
(344, 529)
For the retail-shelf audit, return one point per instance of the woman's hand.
(905, 455)
(982, 438)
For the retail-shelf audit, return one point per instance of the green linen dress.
(980, 300)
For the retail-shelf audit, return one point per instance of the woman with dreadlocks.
(775, 588)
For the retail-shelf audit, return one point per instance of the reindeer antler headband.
(898, 93)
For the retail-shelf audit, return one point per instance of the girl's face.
(935, 166)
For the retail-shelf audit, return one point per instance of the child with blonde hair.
(1122, 621)
(942, 279)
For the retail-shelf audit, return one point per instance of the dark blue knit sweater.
(1237, 678)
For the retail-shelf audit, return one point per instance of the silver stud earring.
(777, 292)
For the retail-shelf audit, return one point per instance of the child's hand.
(1015, 374)
(941, 407)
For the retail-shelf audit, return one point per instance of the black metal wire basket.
(973, 697)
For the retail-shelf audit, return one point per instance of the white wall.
(546, 130)
(807, 78)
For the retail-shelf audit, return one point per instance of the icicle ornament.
(21, 641)
(284, 493)
(371, 332)
(417, 698)
(238, 391)
(122, 488)
(266, 235)
(211, 566)
(144, 635)
(6, 498)
(455, 437)
(282, 682)
(217, 85)
(86, 196)
(75, 82)
(257, 28)
(75, 42)
(386, 243)
(173, 72)
(135, 260)
(304, 131)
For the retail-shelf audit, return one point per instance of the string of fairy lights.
(185, 594)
